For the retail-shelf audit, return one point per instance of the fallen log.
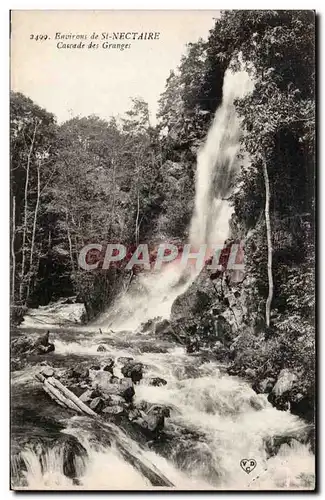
(64, 397)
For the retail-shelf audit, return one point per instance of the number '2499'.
(38, 37)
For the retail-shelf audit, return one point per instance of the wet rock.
(192, 345)
(157, 381)
(89, 394)
(303, 406)
(74, 455)
(147, 326)
(162, 326)
(134, 414)
(108, 365)
(103, 382)
(124, 359)
(41, 349)
(153, 423)
(77, 390)
(250, 373)
(114, 410)
(127, 389)
(280, 402)
(47, 371)
(115, 399)
(94, 367)
(257, 402)
(97, 404)
(115, 380)
(265, 386)
(101, 348)
(79, 373)
(17, 364)
(43, 340)
(133, 370)
(159, 410)
(285, 382)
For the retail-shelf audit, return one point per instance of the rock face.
(285, 382)
(65, 312)
(283, 394)
(198, 296)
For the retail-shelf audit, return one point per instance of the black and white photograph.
(162, 250)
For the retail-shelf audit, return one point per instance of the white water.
(217, 166)
(216, 420)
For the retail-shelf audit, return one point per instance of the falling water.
(217, 166)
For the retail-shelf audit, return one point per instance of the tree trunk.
(137, 229)
(34, 227)
(269, 243)
(69, 240)
(13, 255)
(23, 260)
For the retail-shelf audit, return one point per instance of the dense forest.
(128, 181)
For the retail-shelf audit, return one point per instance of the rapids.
(216, 420)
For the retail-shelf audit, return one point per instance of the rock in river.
(157, 381)
(133, 370)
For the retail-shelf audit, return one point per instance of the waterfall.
(217, 166)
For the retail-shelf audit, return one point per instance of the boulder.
(101, 380)
(162, 326)
(74, 455)
(250, 373)
(134, 414)
(124, 388)
(116, 400)
(43, 340)
(88, 395)
(47, 371)
(127, 389)
(265, 386)
(108, 365)
(157, 381)
(97, 404)
(41, 349)
(285, 382)
(153, 423)
(124, 359)
(101, 348)
(79, 373)
(114, 410)
(94, 367)
(28, 344)
(133, 370)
